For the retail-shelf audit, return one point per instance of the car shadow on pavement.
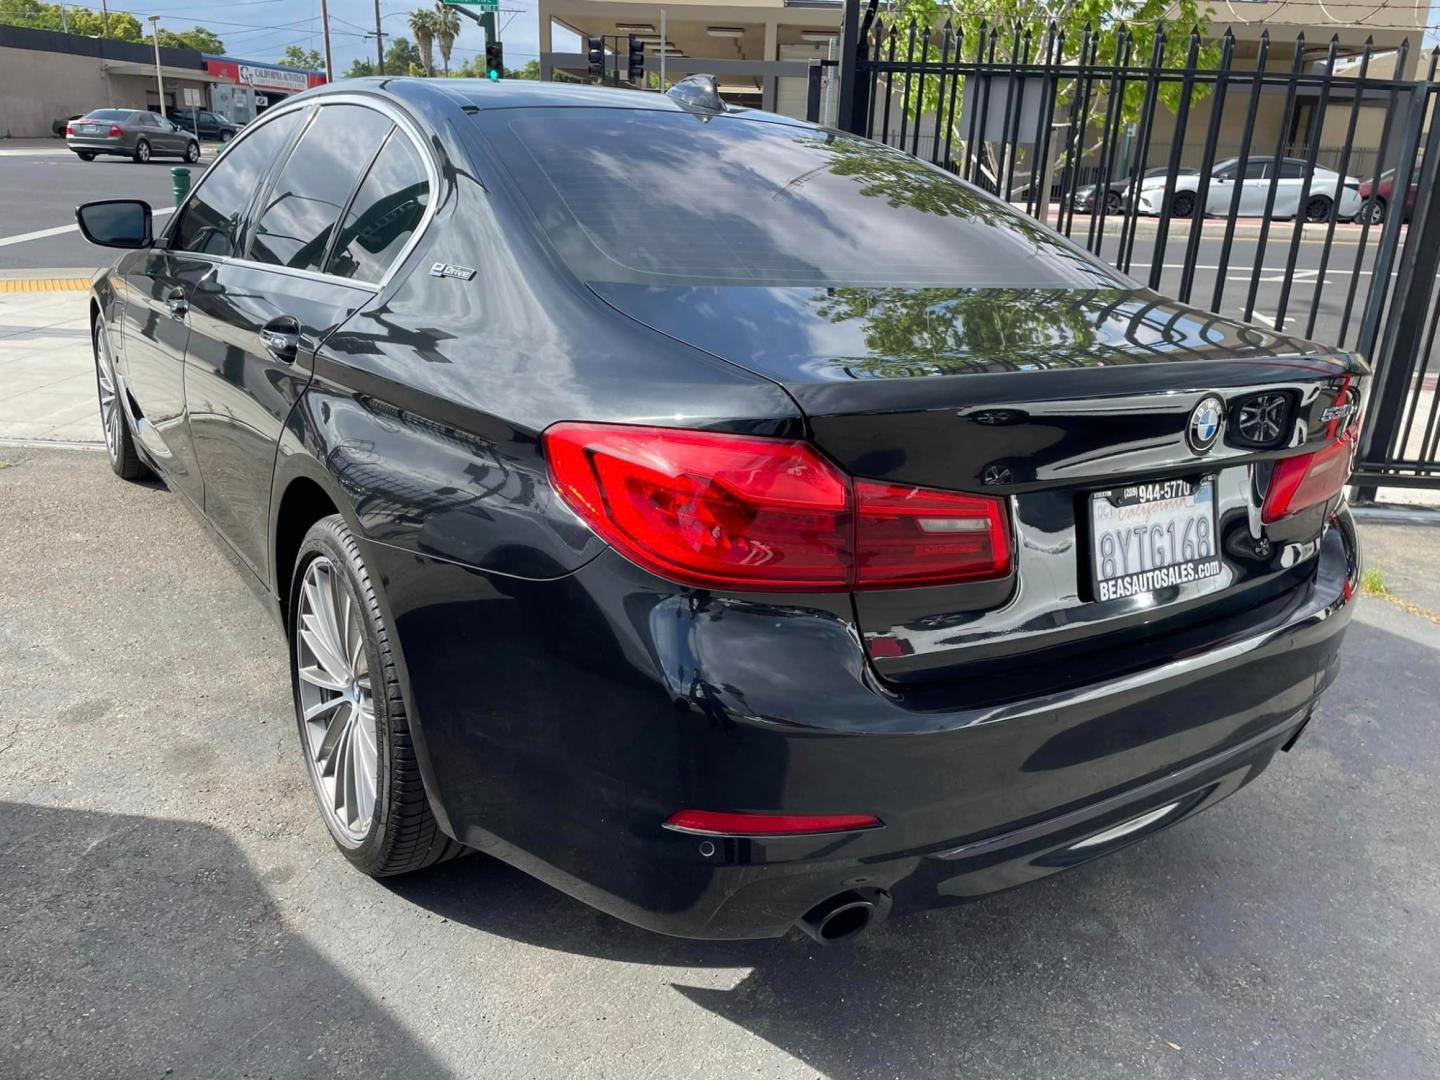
(1238, 943)
(135, 946)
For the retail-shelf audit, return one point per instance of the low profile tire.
(142, 152)
(1112, 202)
(1319, 208)
(119, 442)
(85, 155)
(354, 732)
(1373, 213)
(1183, 205)
(192, 153)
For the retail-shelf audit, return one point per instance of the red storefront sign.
(270, 77)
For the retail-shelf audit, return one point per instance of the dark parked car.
(206, 124)
(731, 522)
(132, 133)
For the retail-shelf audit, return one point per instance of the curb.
(44, 285)
(49, 444)
(1392, 514)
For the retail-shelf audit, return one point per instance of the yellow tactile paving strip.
(44, 285)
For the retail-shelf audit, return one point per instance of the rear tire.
(85, 155)
(1183, 205)
(192, 153)
(142, 152)
(1112, 202)
(114, 425)
(358, 750)
(1319, 208)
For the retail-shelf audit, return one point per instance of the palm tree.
(423, 24)
(447, 28)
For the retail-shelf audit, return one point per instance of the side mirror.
(118, 223)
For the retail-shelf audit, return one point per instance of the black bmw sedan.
(734, 523)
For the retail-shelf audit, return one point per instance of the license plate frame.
(1148, 537)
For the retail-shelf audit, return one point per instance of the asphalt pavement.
(171, 905)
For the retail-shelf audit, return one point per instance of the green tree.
(447, 29)
(307, 59)
(360, 69)
(424, 22)
(1114, 29)
(531, 70)
(197, 38)
(401, 57)
(121, 25)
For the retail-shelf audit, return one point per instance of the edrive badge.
(1206, 420)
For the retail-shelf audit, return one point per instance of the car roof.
(485, 94)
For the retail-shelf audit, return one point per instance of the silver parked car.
(132, 133)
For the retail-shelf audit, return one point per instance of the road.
(171, 903)
(40, 184)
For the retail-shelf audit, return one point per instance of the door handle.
(281, 338)
(176, 301)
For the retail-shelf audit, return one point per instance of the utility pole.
(325, 25)
(105, 18)
(159, 78)
(379, 42)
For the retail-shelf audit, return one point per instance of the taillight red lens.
(115, 131)
(743, 512)
(724, 823)
(1306, 480)
(917, 536)
(69, 129)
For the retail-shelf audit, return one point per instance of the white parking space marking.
(41, 234)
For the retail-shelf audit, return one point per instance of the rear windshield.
(658, 197)
(109, 114)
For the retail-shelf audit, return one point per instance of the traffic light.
(494, 60)
(595, 54)
(637, 59)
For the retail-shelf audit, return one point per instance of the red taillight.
(743, 512)
(69, 130)
(115, 131)
(1306, 480)
(917, 536)
(723, 823)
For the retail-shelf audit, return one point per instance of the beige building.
(798, 30)
(746, 30)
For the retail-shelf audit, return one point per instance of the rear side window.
(658, 197)
(385, 213)
(308, 196)
(1292, 170)
(212, 219)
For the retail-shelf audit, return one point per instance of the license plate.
(1152, 536)
(89, 129)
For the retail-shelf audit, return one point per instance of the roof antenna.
(697, 92)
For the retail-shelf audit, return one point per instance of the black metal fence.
(1316, 219)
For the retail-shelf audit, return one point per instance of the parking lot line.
(58, 230)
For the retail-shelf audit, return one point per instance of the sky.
(260, 29)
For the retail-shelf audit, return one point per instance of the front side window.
(1292, 170)
(1255, 170)
(212, 219)
(385, 214)
(653, 197)
(308, 196)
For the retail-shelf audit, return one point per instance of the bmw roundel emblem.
(1206, 421)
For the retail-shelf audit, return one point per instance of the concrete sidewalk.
(47, 371)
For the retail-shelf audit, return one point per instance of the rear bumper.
(100, 146)
(561, 722)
